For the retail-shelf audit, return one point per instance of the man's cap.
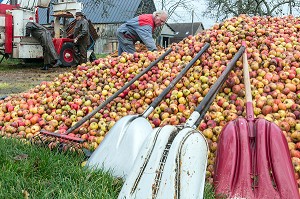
(79, 14)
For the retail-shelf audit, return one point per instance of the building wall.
(176, 39)
(165, 35)
(182, 30)
(107, 41)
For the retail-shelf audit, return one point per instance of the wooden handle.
(247, 77)
(249, 105)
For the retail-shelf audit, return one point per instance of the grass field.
(29, 171)
(37, 172)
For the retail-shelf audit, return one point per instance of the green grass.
(18, 64)
(10, 61)
(40, 173)
(4, 85)
(101, 55)
(9, 64)
(209, 192)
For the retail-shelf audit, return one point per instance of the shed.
(166, 35)
(183, 30)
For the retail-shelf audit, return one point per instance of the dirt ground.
(17, 77)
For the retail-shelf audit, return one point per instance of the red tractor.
(13, 19)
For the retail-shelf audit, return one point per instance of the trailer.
(13, 20)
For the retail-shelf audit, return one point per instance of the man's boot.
(92, 57)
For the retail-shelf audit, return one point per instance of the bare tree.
(172, 5)
(222, 9)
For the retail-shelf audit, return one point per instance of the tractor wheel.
(67, 54)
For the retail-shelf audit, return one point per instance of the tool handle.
(249, 104)
(63, 136)
(246, 76)
(197, 116)
(108, 100)
(174, 82)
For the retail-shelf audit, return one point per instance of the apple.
(267, 109)
(156, 122)
(297, 127)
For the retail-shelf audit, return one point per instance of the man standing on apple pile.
(140, 29)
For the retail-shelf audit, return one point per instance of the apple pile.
(139, 47)
(273, 54)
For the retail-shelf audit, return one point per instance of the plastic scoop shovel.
(119, 149)
(253, 158)
(173, 159)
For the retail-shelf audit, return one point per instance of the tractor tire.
(67, 54)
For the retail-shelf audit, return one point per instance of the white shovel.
(172, 161)
(119, 149)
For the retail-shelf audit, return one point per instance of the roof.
(168, 25)
(113, 11)
(167, 30)
(184, 29)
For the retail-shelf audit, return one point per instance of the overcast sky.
(199, 7)
(186, 16)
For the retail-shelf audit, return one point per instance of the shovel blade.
(274, 163)
(118, 150)
(232, 176)
(266, 174)
(171, 164)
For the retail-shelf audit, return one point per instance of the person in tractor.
(81, 38)
(140, 29)
(43, 35)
